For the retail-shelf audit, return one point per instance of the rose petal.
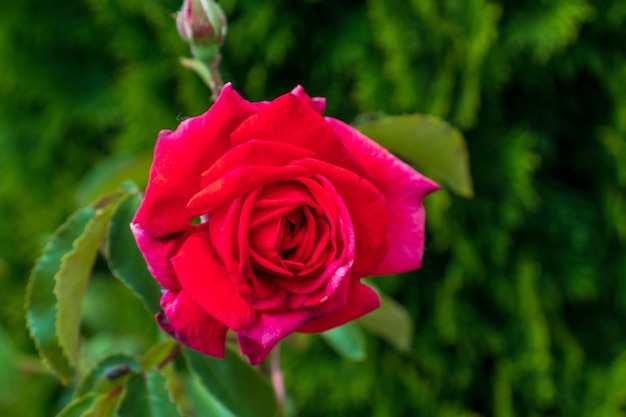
(186, 322)
(157, 253)
(240, 181)
(361, 300)
(207, 281)
(281, 193)
(270, 327)
(254, 152)
(316, 103)
(223, 225)
(263, 215)
(255, 352)
(288, 120)
(367, 208)
(179, 159)
(403, 188)
(331, 278)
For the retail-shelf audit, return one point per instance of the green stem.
(216, 83)
(170, 357)
(208, 72)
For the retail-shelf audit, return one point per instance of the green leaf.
(79, 406)
(236, 385)
(41, 303)
(428, 142)
(203, 402)
(147, 396)
(8, 373)
(159, 395)
(391, 322)
(347, 340)
(106, 404)
(110, 173)
(73, 276)
(158, 353)
(125, 260)
(107, 374)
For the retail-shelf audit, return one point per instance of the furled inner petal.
(301, 250)
(240, 180)
(288, 243)
(261, 152)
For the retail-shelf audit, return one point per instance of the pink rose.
(263, 217)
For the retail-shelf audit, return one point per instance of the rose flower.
(263, 217)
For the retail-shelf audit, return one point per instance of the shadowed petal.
(361, 300)
(208, 283)
(254, 350)
(186, 322)
(157, 253)
(270, 327)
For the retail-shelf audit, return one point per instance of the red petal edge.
(404, 189)
(208, 283)
(186, 322)
(180, 157)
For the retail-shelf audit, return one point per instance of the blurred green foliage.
(520, 308)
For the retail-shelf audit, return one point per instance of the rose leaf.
(427, 142)
(391, 322)
(79, 406)
(107, 374)
(204, 403)
(74, 272)
(111, 173)
(124, 258)
(41, 302)
(347, 340)
(234, 384)
(146, 395)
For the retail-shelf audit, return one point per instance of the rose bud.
(264, 217)
(202, 24)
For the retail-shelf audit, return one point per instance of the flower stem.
(170, 357)
(216, 83)
(208, 72)
(276, 377)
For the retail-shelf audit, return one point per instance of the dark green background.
(520, 307)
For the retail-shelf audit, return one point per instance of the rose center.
(293, 226)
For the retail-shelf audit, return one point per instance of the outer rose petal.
(254, 350)
(208, 283)
(186, 322)
(181, 156)
(361, 300)
(316, 103)
(157, 253)
(404, 189)
(270, 327)
(288, 120)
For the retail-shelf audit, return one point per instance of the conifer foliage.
(520, 308)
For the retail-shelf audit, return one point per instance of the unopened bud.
(202, 24)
